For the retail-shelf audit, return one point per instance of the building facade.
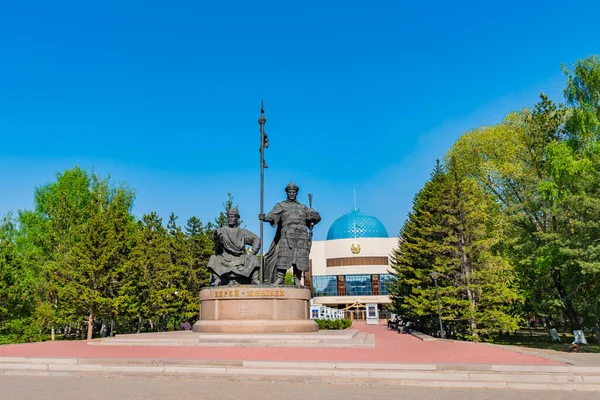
(351, 267)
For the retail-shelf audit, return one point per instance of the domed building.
(350, 268)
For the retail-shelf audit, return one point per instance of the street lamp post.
(435, 276)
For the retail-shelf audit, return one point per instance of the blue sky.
(165, 95)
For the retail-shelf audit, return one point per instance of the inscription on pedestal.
(247, 293)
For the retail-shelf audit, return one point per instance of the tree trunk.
(139, 324)
(568, 308)
(466, 269)
(53, 333)
(90, 330)
(597, 328)
(472, 323)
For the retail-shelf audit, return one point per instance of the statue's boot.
(216, 280)
(255, 278)
(297, 277)
(280, 278)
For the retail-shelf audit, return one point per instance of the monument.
(231, 264)
(248, 295)
(292, 242)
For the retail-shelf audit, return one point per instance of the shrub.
(326, 324)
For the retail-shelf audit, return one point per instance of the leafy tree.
(575, 167)
(49, 232)
(17, 308)
(542, 167)
(103, 243)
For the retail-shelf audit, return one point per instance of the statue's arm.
(252, 240)
(218, 239)
(274, 216)
(312, 217)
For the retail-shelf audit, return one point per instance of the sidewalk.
(396, 359)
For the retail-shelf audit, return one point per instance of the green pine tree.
(448, 231)
(200, 248)
(146, 287)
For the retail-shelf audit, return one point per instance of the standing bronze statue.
(231, 264)
(293, 238)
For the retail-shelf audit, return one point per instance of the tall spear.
(264, 143)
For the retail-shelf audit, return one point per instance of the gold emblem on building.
(355, 248)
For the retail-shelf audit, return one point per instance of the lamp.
(435, 275)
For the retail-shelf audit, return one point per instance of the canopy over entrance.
(356, 304)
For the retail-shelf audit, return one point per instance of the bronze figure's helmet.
(233, 211)
(292, 185)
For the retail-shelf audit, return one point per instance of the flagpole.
(261, 122)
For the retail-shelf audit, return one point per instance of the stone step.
(189, 335)
(520, 377)
(332, 339)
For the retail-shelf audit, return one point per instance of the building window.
(354, 261)
(383, 283)
(324, 285)
(358, 285)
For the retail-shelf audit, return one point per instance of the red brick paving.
(390, 347)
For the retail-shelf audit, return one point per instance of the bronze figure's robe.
(230, 252)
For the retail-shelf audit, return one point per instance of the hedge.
(327, 324)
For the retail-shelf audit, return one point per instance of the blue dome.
(356, 224)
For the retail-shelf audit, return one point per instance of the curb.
(423, 337)
(532, 377)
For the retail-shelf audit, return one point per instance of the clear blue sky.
(165, 95)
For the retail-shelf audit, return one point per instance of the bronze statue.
(293, 238)
(231, 264)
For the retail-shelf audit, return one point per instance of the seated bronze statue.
(231, 264)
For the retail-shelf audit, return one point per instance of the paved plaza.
(389, 347)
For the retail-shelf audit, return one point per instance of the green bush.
(326, 324)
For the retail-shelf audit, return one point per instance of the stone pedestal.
(254, 309)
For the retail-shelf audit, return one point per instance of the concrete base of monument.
(255, 309)
(255, 326)
(348, 338)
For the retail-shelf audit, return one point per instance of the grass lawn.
(544, 342)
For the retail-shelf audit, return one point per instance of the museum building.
(351, 267)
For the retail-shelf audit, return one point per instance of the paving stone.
(549, 386)
(390, 366)
(425, 375)
(194, 370)
(127, 368)
(546, 368)
(78, 367)
(279, 364)
(24, 366)
(520, 377)
(454, 384)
